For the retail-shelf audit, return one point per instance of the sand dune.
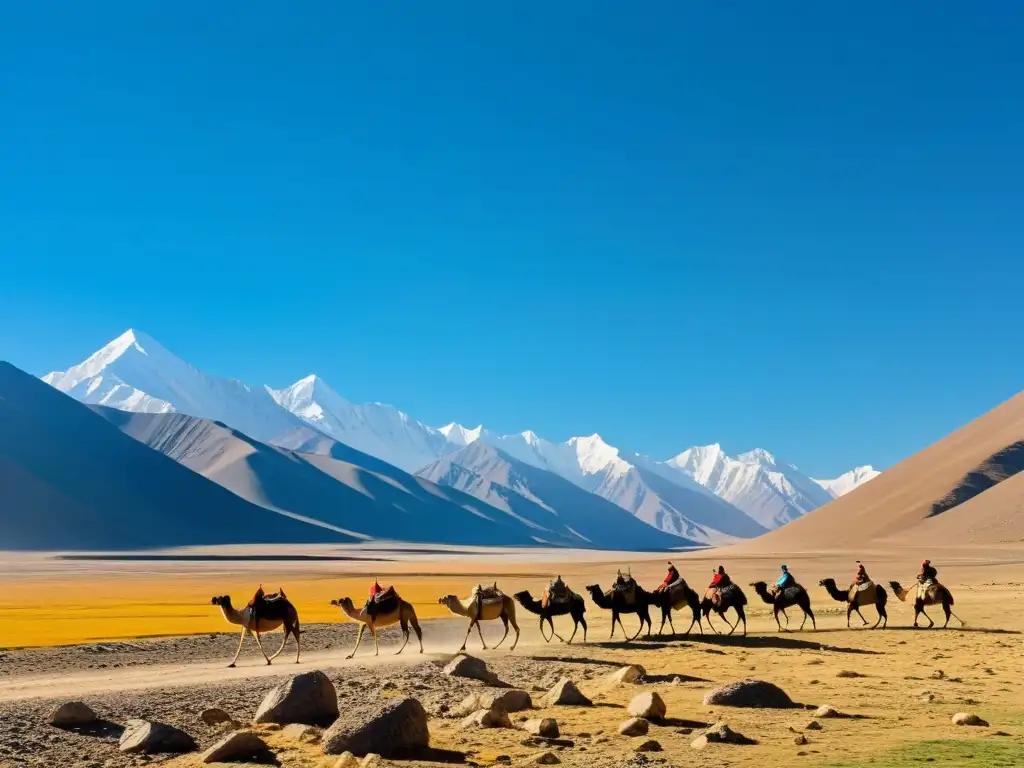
(71, 480)
(899, 501)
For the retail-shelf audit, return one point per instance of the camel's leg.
(515, 626)
(925, 614)
(622, 626)
(575, 629)
(849, 612)
(786, 615)
(777, 622)
(671, 624)
(664, 616)
(359, 639)
(416, 628)
(283, 643)
(260, 644)
(615, 618)
(479, 631)
(376, 641)
(583, 621)
(404, 624)
(296, 632)
(947, 612)
(241, 641)
(553, 633)
(504, 620)
(733, 626)
(712, 626)
(857, 609)
(743, 618)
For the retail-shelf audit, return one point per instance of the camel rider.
(670, 578)
(375, 590)
(556, 590)
(785, 580)
(719, 582)
(927, 574)
(861, 577)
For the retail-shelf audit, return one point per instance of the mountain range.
(700, 495)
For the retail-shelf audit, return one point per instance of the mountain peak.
(758, 456)
(459, 435)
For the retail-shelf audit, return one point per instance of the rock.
(938, 674)
(152, 738)
(748, 693)
(546, 727)
(648, 705)
(225, 728)
(370, 761)
(719, 734)
(964, 718)
(826, 711)
(347, 760)
(566, 693)
(488, 718)
(397, 729)
(308, 698)
(72, 714)
(298, 732)
(239, 746)
(649, 745)
(636, 726)
(800, 740)
(511, 700)
(626, 675)
(470, 667)
(848, 673)
(215, 716)
(544, 758)
(927, 698)
(814, 725)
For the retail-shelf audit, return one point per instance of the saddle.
(488, 595)
(385, 601)
(556, 592)
(262, 597)
(624, 587)
(856, 589)
(924, 587)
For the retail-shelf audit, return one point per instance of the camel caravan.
(385, 608)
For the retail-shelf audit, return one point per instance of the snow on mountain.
(847, 481)
(135, 373)
(771, 492)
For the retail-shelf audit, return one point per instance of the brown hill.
(899, 502)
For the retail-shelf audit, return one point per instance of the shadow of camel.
(579, 660)
(957, 630)
(784, 643)
(622, 645)
(670, 678)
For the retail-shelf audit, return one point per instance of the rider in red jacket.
(673, 575)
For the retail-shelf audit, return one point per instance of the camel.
(402, 614)
(730, 596)
(780, 601)
(935, 594)
(274, 611)
(477, 610)
(855, 599)
(615, 603)
(574, 607)
(675, 598)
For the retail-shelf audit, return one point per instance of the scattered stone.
(299, 732)
(239, 746)
(308, 698)
(566, 693)
(749, 693)
(72, 714)
(396, 729)
(964, 718)
(511, 700)
(225, 728)
(650, 745)
(464, 665)
(215, 716)
(544, 758)
(928, 698)
(546, 727)
(154, 738)
(626, 675)
(488, 718)
(814, 725)
(719, 733)
(849, 673)
(827, 710)
(800, 740)
(347, 760)
(636, 726)
(541, 741)
(372, 760)
(648, 705)
(813, 662)
(684, 731)
(938, 674)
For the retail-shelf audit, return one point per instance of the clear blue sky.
(672, 223)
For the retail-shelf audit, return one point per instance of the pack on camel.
(484, 604)
(625, 596)
(863, 591)
(384, 609)
(264, 613)
(674, 594)
(722, 595)
(929, 592)
(557, 600)
(787, 597)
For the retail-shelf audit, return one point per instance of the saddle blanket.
(384, 594)
(856, 589)
(924, 586)
(488, 595)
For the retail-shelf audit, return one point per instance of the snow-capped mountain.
(848, 481)
(135, 373)
(702, 494)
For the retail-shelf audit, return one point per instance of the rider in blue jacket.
(785, 580)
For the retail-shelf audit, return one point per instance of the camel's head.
(826, 582)
(759, 585)
(447, 599)
(593, 588)
(224, 601)
(342, 602)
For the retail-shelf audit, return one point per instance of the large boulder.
(144, 736)
(72, 714)
(488, 718)
(626, 675)
(464, 665)
(965, 718)
(510, 700)
(397, 730)
(648, 705)
(546, 727)
(749, 693)
(308, 698)
(565, 693)
(240, 745)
